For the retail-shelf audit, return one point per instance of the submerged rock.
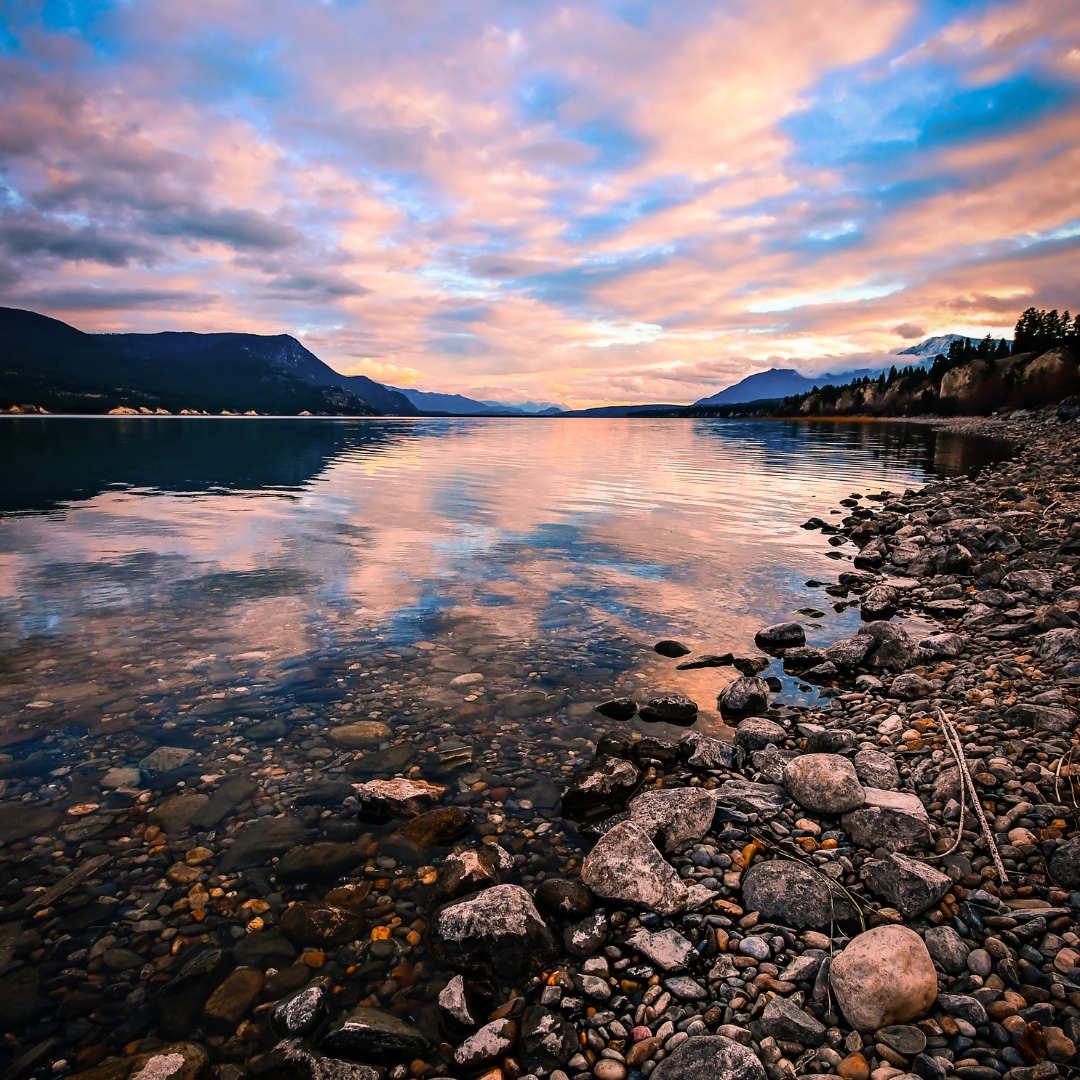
(670, 648)
(622, 708)
(398, 797)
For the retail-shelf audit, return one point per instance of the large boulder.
(755, 733)
(709, 1057)
(1058, 721)
(1058, 646)
(879, 602)
(895, 820)
(780, 636)
(746, 696)
(824, 783)
(626, 865)
(673, 816)
(908, 885)
(876, 769)
(884, 976)
(705, 753)
(794, 895)
(500, 929)
(1064, 864)
(848, 653)
(669, 709)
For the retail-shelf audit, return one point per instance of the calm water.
(153, 570)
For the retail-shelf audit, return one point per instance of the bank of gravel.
(813, 896)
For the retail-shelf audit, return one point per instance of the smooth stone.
(670, 648)
(359, 735)
(301, 1013)
(371, 1035)
(755, 733)
(673, 817)
(622, 708)
(947, 949)
(669, 709)
(230, 1002)
(324, 793)
(780, 636)
(436, 828)
(905, 1039)
(824, 783)
(626, 865)
(709, 1057)
(258, 841)
(499, 929)
(324, 861)
(165, 759)
(19, 820)
(746, 696)
(884, 976)
(848, 653)
(314, 922)
(685, 988)
(910, 687)
(906, 884)
(564, 899)
(793, 895)
(895, 820)
(231, 792)
(547, 1040)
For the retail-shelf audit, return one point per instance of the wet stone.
(230, 1002)
(323, 861)
(744, 697)
(436, 828)
(371, 1035)
(564, 899)
(826, 783)
(622, 708)
(301, 1013)
(755, 733)
(175, 814)
(669, 709)
(607, 780)
(585, 937)
(361, 735)
(905, 1039)
(547, 1040)
(309, 922)
(468, 870)
(260, 840)
(398, 797)
(454, 1001)
(229, 795)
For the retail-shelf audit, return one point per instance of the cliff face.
(978, 386)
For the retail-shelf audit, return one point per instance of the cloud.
(909, 331)
(468, 195)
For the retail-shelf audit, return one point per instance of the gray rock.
(876, 769)
(492, 1042)
(906, 884)
(500, 929)
(709, 1057)
(371, 1035)
(174, 814)
(947, 949)
(905, 1039)
(325, 862)
(824, 783)
(669, 709)
(783, 1019)
(1064, 864)
(1037, 582)
(830, 741)
(884, 976)
(673, 816)
(890, 819)
(398, 797)
(910, 687)
(848, 653)
(607, 780)
(547, 1040)
(755, 733)
(626, 865)
(232, 791)
(454, 1001)
(301, 1013)
(751, 798)
(879, 602)
(293, 1059)
(1058, 646)
(793, 895)
(746, 696)
(780, 636)
(618, 708)
(585, 937)
(564, 899)
(706, 753)
(1058, 721)
(685, 988)
(165, 759)
(944, 646)
(667, 949)
(967, 1008)
(805, 656)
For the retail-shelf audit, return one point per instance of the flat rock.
(805, 656)
(667, 949)
(230, 793)
(361, 735)
(230, 1002)
(670, 648)
(1058, 721)
(780, 636)
(749, 797)
(439, 827)
(19, 820)
(793, 895)
(165, 759)
(943, 646)
(709, 1057)
(371, 1035)
(883, 977)
(626, 865)
(783, 1019)
(547, 1040)
(706, 753)
(755, 733)
(293, 1059)
(622, 708)
(673, 816)
(824, 783)
(499, 929)
(467, 871)
(909, 885)
(488, 1045)
(910, 687)
(891, 819)
(260, 840)
(607, 780)
(746, 696)
(875, 769)
(1064, 864)
(669, 709)
(324, 861)
(1058, 646)
(314, 922)
(398, 797)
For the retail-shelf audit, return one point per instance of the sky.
(605, 201)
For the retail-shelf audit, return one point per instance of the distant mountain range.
(785, 382)
(459, 405)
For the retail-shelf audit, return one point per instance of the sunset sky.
(609, 200)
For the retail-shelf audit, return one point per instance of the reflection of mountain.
(836, 445)
(48, 462)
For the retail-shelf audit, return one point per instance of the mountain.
(456, 404)
(531, 408)
(784, 382)
(46, 363)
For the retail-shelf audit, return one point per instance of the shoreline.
(705, 933)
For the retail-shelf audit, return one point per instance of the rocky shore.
(818, 892)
